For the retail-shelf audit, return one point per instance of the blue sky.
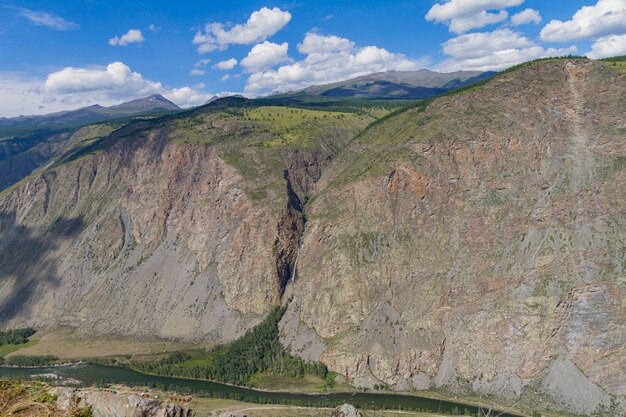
(61, 55)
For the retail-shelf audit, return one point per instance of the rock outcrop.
(345, 410)
(107, 404)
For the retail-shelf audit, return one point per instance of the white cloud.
(187, 97)
(608, 46)
(463, 15)
(328, 59)
(606, 17)
(225, 77)
(453, 9)
(21, 95)
(154, 28)
(226, 65)
(265, 55)
(526, 16)
(495, 50)
(319, 44)
(476, 21)
(46, 19)
(261, 25)
(132, 36)
(202, 63)
(200, 85)
(115, 80)
(197, 71)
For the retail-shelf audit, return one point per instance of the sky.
(59, 55)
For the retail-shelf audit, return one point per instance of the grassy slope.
(63, 344)
(7, 349)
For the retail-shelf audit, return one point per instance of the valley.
(469, 245)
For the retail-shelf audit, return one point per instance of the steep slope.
(478, 243)
(22, 155)
(29, 142)
(180, 227)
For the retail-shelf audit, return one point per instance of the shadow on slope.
(26, 269)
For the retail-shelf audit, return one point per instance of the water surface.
(94, 373)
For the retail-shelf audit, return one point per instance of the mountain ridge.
(405, 85)
(94, 113)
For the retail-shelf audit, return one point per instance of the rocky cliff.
(474, 243)
(471, 242)
(182, 228)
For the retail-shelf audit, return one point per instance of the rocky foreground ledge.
(109, 404)
(38, 399)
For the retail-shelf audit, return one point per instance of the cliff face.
(153, 233)
(474, 243)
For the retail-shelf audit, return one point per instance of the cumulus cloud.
(476, 21)
(606, 17)
(265, 55)
(21, 95)
(197, 71)
(187, 97)
(202, 63)
(261, 25)
(132, 36)
(495, 50)
(116, 80)
(47, 19)
(525, 17)
(226, 65)
(608, 46)
(328, 59)
(464, 15)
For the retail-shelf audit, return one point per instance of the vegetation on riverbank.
(13, 340)
(16, 336)
(29, 361)
(258, 351)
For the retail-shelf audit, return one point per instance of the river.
(95, 373)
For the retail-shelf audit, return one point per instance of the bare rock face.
(152, 234)
(345, 410)
(478, 240)
(106, 404)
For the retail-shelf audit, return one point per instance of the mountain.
(29, 142)
(95, 113)
(473, 243)
(141, 105)
(394, 85)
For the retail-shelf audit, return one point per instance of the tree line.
(259, 350)
(31, 361)
(16, 336)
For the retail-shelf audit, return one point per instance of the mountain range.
(95, 113)
(405, 85)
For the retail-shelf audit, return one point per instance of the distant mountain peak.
(151, 102)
